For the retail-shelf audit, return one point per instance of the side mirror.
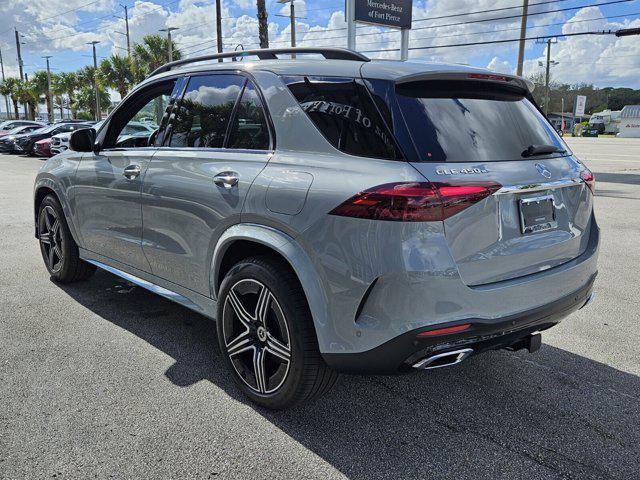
(82, 140)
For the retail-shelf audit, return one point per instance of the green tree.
(117, 73)
(66, 83)
(85, 100)
(152, 53)
(28, 95)
(10, 88)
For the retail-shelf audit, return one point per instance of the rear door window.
(462, 121)
(342, 109)
(249, 128)
(202, 116)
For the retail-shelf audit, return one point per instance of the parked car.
(337, 215)
(25, 143)
(8, 142)
(20, 130)
(11, 124)
(42, 148)
(132, 133)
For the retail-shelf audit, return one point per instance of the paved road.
(102, 379)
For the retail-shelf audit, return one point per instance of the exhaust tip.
(446, 359)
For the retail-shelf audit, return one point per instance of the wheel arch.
(244, 240)
(46, 186)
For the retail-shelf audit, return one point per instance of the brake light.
(414, 201)
(589, 179)
(486, 76)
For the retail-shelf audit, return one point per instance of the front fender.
(293, 253)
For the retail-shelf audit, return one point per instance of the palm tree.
(41, 87)
(85, 100)
(152, 53)
(117, 72)
(28, 95)
(67, 83)
(263, 27)
(9, 87)
(58, 91)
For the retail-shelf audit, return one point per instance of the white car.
(60, 143)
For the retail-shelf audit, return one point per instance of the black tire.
(59, 249)
(307, 376)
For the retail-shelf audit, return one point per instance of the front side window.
(147, 108)
(202, 116)
(342, 109)
(462, 121)
(249, 128)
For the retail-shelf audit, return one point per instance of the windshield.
(472, 122)
(15, 130)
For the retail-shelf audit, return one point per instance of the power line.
(489, 42)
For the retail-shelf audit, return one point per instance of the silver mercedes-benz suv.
(332, 213)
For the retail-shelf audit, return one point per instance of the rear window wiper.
(533, 150)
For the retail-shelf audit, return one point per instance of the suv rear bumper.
(401, 353)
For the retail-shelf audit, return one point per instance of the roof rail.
(268, 54)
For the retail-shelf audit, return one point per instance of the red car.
(42, 148)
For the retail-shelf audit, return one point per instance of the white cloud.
(500, 66)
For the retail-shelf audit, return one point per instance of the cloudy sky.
(62, 28)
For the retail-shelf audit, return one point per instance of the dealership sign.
(389, 13)
(581, 103)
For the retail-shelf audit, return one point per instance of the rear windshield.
(472, 122)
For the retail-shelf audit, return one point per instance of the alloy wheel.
(256, 336)
(50, 235)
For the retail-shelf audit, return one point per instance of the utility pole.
(523, 34)
(169, 42)
(292, 20)
(350, 16)
(126, 23)
(547, 73)
(219, 28)
(98, 115)
(6, 99)
(20, 66)
(49, 99)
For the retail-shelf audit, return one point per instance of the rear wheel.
(58, 248)
(266, 334)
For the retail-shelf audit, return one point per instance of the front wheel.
(266, 335)
(59, 250)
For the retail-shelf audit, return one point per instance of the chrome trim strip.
(460, 355)
(538, 187)
(152, 287)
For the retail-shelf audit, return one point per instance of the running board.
(152, 287)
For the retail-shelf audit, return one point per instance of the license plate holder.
(537, 214)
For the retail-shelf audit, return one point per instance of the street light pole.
(523, 34)
(20, 65)
(350, 15)
(49, 99)
(169, 42)
(98, 115)
(6, 99)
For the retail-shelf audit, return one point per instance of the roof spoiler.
(481, 76)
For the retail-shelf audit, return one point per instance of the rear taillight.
(414, 201)
(590, 180)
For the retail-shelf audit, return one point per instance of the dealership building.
(630, 122)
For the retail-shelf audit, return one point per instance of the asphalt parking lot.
(102, 379)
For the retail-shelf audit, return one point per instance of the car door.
(217, 142)
(109, 181)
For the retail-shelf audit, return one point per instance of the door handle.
(131, 172)
(226, 179)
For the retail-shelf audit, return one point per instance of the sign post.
(387, 13)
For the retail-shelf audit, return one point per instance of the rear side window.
(249, 128)
(204, 112)
(471, 122)
(343, 111)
